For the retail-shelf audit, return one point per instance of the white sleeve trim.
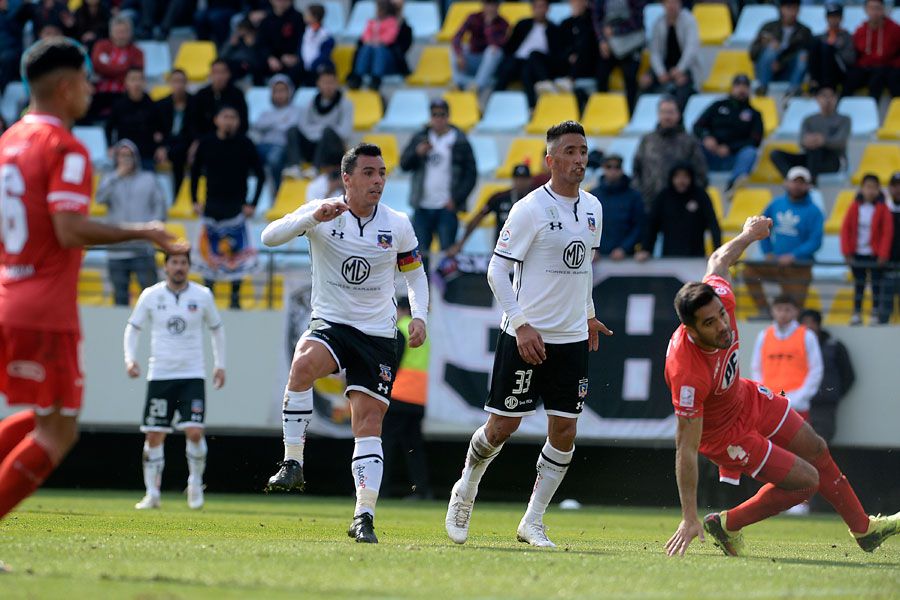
(68, 197)
(294, 224)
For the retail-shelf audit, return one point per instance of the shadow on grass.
(821, 562)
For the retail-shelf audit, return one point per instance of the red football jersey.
(44, 169)
(708, 384)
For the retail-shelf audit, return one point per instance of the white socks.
(296, 415)
(196, 460)
(551, 468)
(154, 460)
(367, 468)
(479, 456)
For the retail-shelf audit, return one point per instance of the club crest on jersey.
(385, 240)
(385, 373)
(196, 406)
(731, 369)
(582, 388)
(592, 223)
(192, 307)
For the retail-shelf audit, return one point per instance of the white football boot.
(195, 496)
(148, 502)
(459, 513)
(534, 533)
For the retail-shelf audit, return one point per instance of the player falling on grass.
(176, 311)
(356, 247)
(740, 425)
(547, 329)
(45, 189)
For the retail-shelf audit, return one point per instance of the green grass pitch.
(87, 544)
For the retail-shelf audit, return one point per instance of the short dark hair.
(224, 107)
(135, 69)
(786, 299)
(811, 313)
(168, 255)
(52, 54)
(177, 72)
(348, 162)
(870, 177)
(561, 129)
(325, 68)
(690, 298)
(220, 61)
(316, 11)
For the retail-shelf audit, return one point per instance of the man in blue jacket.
(796, 236)
(623, 210)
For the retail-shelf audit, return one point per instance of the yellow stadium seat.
(367, 108)
(178, 230)
(75, 5)
(890, 129)
(744, 306)
(765, 171)
(91, 288)
(389, 149)
(841, 204)
(746, 202)
(273, 288)
(247, 296)
(291, 195)
(728, 63)
(342, 56)
(716, 199)
(514, 12)
(464, 112)
(714, 23)
(195, 58)
(605, 114)
(617, 80)
(769, 111)
(524, 150)
(550, 110)
(433, 68)
(456, 16)
(881, 159)
(183, 208)
(813, 299)
(96, 210)
(842, 307)
(484, 194)
(158, 92)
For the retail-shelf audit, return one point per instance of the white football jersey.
(176, 329)
(354, 262)
(552, 239)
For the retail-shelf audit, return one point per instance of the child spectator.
(316, 45)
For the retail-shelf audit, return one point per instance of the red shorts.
(756, 444)
(41, 369)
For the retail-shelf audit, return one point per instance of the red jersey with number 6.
(44, 170)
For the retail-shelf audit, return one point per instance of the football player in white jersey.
(176, 311)
(356, 247)
(547, 330)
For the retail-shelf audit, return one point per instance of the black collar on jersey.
(574, 207)
(177, 294)
(358, 221)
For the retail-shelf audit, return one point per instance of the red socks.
(767, 502)
(22, 472)
(13, 430)
(835, 488)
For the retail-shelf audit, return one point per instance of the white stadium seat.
(863, 113)
(752, 19)
(644, 118)
(506, 112)
(407, 110)
(797, 110)
(695, 107)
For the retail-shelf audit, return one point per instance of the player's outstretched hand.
(166, 240)
(133, 369)
(416, 332)
(758, 226)
(219, 378)
(684, 535)
(531, 345)
(595, 328)
(330, 210)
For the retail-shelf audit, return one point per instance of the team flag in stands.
(224, 250)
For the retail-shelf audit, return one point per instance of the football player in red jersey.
(45, 189)
(741, 426)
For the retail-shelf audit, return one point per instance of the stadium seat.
(360, 14)
(158, 92)
(456, 15)
(423, 18)
(550, 110)
(842, 307)
(854, 16)
(464, 112)
(94, 139)
(728, 63)
(406, 111)
(195, 58)
(342, 57)
(626, 147)
(514, 12)
(765, 171)
(813, 16)
(617, 80)
(881, 159)
(605, 114)
(389, 149)
(177, 229)
(157, 59)
(813, 299)
(183, 208)
(506, 112)
(14, 99)
(752, 18)
(559, 12)
(716, 199)
(485, 149)
(841, 204)
(713, 22)
(92, 289)
(304, 96)
(367, 108)
(433, 68)
(652, 12)
(396, 194)
(746, 202)
(335, 19)
(644, 118)
(890, 130)
(769, 111)
(291, 195)
(863, 113)
(696, 106)
(259, 100)
(830, 252)
(524, 150)
(797, 110)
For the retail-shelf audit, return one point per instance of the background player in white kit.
(176, 311)
(547, 329)
(356, 247)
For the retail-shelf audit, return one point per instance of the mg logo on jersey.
(355, 270)
(574, 254)
(511, 402)
(176, 325)
(731, 370)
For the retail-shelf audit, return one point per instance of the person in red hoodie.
(877, 43)
(112, 59)
(867, 234)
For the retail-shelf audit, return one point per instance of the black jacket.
(207, 103)
(579, 39)
(555, 41)
(226, 164)
(462, 178)
(165, 110)
(135, 121)
(733, 123)
(837, 374)
(280, 35)
(683, 219)
(895, 245)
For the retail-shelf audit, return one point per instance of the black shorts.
(165, 396)
(370, 362)
(561, 381)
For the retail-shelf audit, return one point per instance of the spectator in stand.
(624, 216)
(789, 251)
(176, 113)
(891, 284)
(316, 45)
(324, 129)
(730, 131)
(779, 51)
(823, 137)
(867, 235)
(837, 377)
(279, 38)
(580, 47)
(11, 25)
(244, 55)
(662, 149)
(226, 158)
(270, 131)
(831, 53)
(220, 91)
(674, 54)
(528, 54)
(787, 358)
(44, 13)
(131, 195)
(478, 48)
(376, 55)
(443, 175)
(499, 204)
(134, 117)
(159, 16)
(620, 28)
(111, 59)
(214, 21)
(877, 43)
(683, 213)
(91, 23)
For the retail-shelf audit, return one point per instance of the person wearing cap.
(823, 138)
(877, 43)
(674, 54)
(797, 230)
(831, 53)
(892, 274)
(443, 169)
(270, 130)
(730, 131)
(478, 48)
(499, 204)
(624, 216)
(779, 51)
(867, 235)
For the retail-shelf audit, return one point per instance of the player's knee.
(303, 374)
(819, 447)
(809, 478)
(562, 433)
(155, 438)
(195, 434)
(498, 429)
(368, 424)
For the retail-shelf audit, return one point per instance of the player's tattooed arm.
(687, 443)
(755, 228)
